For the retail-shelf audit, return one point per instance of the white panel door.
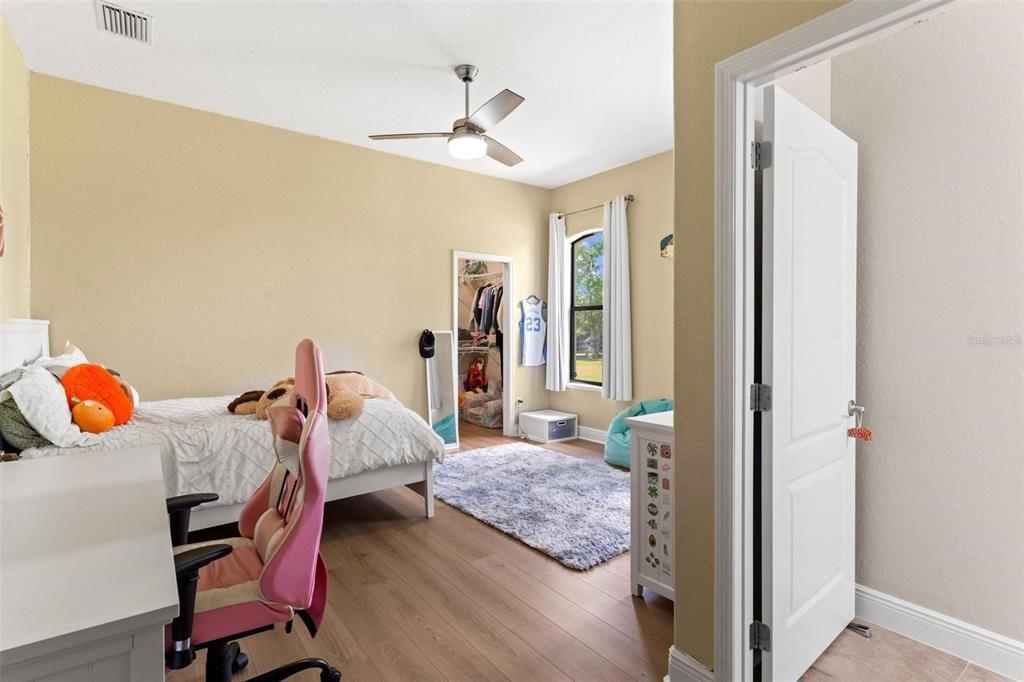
(810, 285)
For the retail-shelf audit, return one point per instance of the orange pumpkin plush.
(94, 382)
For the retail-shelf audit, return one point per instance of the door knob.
(858, 432)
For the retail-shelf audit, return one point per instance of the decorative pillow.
(94, 382)
(15, 430)
(60, 364)
(44, 404)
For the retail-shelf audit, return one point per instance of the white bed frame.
(418, 476)
(22, 341)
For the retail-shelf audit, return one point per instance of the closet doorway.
(482, 302)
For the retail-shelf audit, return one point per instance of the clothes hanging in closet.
(486, 308)
(475, 308)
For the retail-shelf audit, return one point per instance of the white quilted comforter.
(204, 448)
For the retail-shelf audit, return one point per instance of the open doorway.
(884, 324)
(482, 318)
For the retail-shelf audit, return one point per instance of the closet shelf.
(481, 276)
(469, 350)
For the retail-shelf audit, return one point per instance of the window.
(586, 311)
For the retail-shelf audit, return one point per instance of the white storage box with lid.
(548, 426)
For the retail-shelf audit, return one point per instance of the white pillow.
(43, 403)
(61, 363)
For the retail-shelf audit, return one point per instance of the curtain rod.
(628, 198)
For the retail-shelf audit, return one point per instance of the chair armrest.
(179, 512)
(186, 569)
(184, 502)
(190, 561)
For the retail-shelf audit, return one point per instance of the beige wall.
(706, 32)
(192, 251)
(812, 86)
(650, 219)
(940, 492)
(14, 181)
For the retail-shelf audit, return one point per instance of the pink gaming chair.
(236, 587)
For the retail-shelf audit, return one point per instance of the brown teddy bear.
(346, 395)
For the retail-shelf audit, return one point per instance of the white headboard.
(22, 341)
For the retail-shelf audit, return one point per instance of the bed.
(204, 448)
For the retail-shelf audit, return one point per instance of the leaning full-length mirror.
(441, 403)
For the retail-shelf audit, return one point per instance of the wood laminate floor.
(451, 598)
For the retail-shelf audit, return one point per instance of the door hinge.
(760, 397)
(760, 636)
(760, 155)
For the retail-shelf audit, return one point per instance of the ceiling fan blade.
(495, 109)
(500, 152)
(409, 136)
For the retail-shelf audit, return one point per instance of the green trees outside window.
(586, 312)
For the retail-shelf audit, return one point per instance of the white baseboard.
(593, 435)
(970, 642)
(684, 668)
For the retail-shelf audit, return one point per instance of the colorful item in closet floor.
(533, 328)
(475, 378)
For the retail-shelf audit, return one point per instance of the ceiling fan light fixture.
(465, 144)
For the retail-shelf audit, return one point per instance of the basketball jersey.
(532, 333)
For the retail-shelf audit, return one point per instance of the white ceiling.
(597, 76)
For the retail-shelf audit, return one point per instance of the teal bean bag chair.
(616, 445)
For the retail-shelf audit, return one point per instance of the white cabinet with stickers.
(653, 485)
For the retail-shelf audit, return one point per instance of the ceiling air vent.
(124, 22)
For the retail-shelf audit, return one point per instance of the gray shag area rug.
(575, 510)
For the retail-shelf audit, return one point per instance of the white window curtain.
(558, 306)
(617, 342)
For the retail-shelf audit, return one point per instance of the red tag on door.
(859, 433)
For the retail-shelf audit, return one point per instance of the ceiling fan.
(467, 139)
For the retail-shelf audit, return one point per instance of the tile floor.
(889, 657)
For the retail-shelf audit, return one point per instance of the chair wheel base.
(328, 673)
(238, 658)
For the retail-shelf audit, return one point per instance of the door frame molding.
(736, 80)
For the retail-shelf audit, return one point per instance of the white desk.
(86, 568)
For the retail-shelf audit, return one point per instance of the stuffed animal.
(475, 379)
(347, 392)
(279, 391)
(245, 403)
(92, 416)
(94, 382)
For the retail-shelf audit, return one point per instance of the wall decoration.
(1, 231)
(668, 246)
